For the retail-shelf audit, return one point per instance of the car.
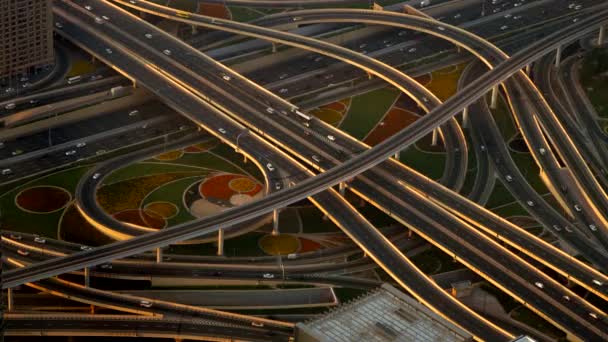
(402, 33)
(457, 16)
(542, 151)
(270, 110)
(85, 248)
(412, 50)
(133, 112)
(270, 167)
(105, 17)
(441, 28)
(305, 123)
(597, 282)
(530, 203)
(482, 147)
(167, 52)
(292, 256)
(70, 152)
(556, 227)
(593, 315)
(226, 77)
(283, 90)
(39, 239)
(145, 303)
(25, 85)
(425, 99)
(517, 17)
(574, 20)
(306, 133)
(577, 208)
(568, 229)
(221, 130)
(328, 76)
(22, 252)
(539, 284)
(593, 227)
(98, 20)
(17, 152)
(578, 7)
(504, 27)
(257, 324)
(59, 25)
(331, 137)
(15, 237)
(109, 51)
(96, 176)
(24, 79)
(297, 18)
(362, 46)
(316, 158)
(566, 297)
(282, 76)
(148, 35)
(100, 152)
(6, 172)
(517, 4)
(571, 6)
(278, 186)
(318, 59)
(508, 15)
(268, 276)
(106, 266)
(81, 144)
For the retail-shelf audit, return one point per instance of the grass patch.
(173, 192)
(429, 164)
(595, 81)
(367, 110)
(244, 14)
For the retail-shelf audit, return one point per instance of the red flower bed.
(43, 199)
(218, 187)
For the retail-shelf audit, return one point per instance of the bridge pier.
(434, 137)
(465, 117)
(600, 37)
(92, 311)
(10, 300)
(558, 56)
(397, 155)
(159, 255)
(87, 277)
(494, 98)
(275, 222)
(342, 188)
(220, 242)
(274, 47)
(528, 69)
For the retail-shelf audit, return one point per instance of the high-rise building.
(26, 36)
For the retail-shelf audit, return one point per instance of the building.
(26, 27)
(385, 314)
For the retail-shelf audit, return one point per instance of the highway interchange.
(266, 129)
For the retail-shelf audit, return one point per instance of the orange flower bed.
(168, 156)
(218, 187)
(215, 10)
(394, 121)
(337, 106)
(141, 218)
(43, 199)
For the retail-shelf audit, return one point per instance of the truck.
(74, 79)
(118, 91)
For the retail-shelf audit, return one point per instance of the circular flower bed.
(222, 187)
(279, 244)
(141, 218)
(43, 199)
(168, 156)
(165, 210)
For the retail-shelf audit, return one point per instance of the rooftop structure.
(385, 314)
(27, 36)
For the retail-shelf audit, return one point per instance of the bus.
(302, 115)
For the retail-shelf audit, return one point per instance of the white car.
(542, 150)
(278, 186)
(145, 303)
(270, 167)
(69, 153)
(556, 227)
(593, 227)
(331, 137)
(6, 172)
(81, 144)
(509, 178)
(539, 284)
(283, 76)
(268, 276)
(412, 50)
(283, 90)
(39, 239)
(109, 51)
(105, 17)
(530, 203)
(597, 282)
(316, 158)
(577, 208)
(441, 28)
(15, 237)
(85, 248)
(88, 8)
(270, 110)
(96, 176)
(148, 35)
(221, 130)
(167, 52)
(226, 77)
(59, 25)
(133, 112)
(98, 20)
(504, 27)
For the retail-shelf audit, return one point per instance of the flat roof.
(385, 314)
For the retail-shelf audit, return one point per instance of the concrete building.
(26, 28)
(385, 314)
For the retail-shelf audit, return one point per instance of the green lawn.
(367, 110)
(595, 81)
(429, 164)
(173, 193)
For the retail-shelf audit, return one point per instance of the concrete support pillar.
(369, 76)
(275, 222)
(528, 69)
(435, 136)
(465, 117)
(87, 277)
(159, 255)
(10, 300)
(409, 233)
(342, 188)
(92, 311)
(194, 30)
(397, 155)
(558, 56)
(220, 242)
(274, 47)
(600, 37)
(244, 159)
(134, 84)
(494, 99)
